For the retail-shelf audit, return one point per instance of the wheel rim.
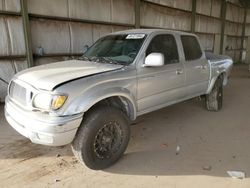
(108, 140)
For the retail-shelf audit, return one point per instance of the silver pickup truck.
(90, 102)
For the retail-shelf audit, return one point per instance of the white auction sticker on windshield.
(135, 36)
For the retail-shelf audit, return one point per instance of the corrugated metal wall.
(233, 30)
(62, 27)
(69, 37)
(247, 38)
(11, 43)
(208, 22)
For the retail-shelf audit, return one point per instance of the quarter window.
(191, 47)
(166, 45)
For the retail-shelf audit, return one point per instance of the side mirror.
(154, 60)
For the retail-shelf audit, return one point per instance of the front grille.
(19, 94)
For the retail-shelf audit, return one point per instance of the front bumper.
(42, 128)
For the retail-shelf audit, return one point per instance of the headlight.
(49, 102)
(58, 101)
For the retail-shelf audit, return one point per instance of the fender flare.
(81, 105)
(214, 79)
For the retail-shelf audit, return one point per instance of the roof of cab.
(150, 31)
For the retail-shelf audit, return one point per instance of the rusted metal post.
(26, 29)
(243, 33)
(223, 24)
(193, 16)
(137, 13)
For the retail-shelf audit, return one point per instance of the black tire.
(214, 99)
(102, 137)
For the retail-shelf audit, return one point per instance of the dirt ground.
(220, 140)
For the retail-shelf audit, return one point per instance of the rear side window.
(191, 47)
(166, 45)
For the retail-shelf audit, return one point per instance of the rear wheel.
(102, 138)
(214, 99)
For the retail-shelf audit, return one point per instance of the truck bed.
(215, 57)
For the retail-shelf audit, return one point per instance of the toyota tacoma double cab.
(89, 102)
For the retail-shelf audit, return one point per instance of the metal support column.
(26, 29)
(243, 33)
(193, 16)
(137, 13)
(223, 24)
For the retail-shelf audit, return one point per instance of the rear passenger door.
(159, 86)
(196, 66)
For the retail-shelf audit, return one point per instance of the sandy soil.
(220, 140)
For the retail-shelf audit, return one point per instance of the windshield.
(120, 49)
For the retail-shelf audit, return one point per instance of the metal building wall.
(233, 29)
(208, 21)
(61, 28)
(74, 23)
(12, 45)
(206, 24)
(246, 44)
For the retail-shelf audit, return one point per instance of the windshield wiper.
(104, 60)
(99, 59)
(85, 58)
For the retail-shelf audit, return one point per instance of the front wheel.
(214, 99)
(102, 138)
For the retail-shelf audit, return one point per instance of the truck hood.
(48, 76)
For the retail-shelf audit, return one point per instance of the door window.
(191, 47)
(166, 45)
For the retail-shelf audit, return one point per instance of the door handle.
(201, 67)
(179, 71)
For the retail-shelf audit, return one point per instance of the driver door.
(161, 86)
